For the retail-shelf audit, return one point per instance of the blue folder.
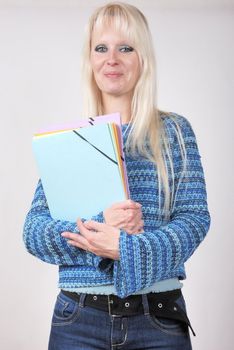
(79, 171)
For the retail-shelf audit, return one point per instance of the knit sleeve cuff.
(124, 268)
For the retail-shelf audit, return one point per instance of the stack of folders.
(82, 166)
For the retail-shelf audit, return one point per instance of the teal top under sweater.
(155, 255)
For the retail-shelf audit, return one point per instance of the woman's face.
(115, 63)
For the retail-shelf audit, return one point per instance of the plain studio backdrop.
(40, 47)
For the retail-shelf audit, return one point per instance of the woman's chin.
(115, 92)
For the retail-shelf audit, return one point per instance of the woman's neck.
(121, 104)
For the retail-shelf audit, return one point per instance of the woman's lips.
(113, 75)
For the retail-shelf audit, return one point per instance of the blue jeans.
(79, 327)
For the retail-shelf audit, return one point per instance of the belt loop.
(82, 299)
(110, 301)
(145, 304)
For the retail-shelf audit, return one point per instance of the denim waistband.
(160, 304)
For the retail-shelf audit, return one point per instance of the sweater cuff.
(124, 268)
(103, 264)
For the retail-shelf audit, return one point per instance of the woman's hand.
(100, 239)
(126, 215)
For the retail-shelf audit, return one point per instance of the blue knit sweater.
(157, 254)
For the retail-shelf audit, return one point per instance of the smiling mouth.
(113, 75)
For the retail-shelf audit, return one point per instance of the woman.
(120, 272)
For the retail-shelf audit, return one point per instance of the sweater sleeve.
(152, 256)
(42, 235)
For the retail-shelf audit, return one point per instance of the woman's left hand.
(98, 238)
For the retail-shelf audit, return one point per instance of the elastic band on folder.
(104, 154)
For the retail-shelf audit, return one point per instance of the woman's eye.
(126, 48)
(101, 48)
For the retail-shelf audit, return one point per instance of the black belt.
(161, 304)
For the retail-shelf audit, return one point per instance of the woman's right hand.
(126, 215)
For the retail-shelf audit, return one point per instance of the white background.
(40, 46)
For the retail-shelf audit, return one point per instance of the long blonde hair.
(146, 120)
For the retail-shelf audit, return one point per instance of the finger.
(135, 228)
(94, 225)
(128, 204)
(80, 246)
(89, 233)
(84, 231)
(131, 204)
(135, 232)
(140, 227)
(130, 216)
(139, 213)
(76, 240)
(74, 237)
(136, 214)
(69, 235)
(87, 225)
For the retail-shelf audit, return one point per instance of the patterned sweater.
(157, 254)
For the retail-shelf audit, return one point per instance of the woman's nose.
(112, 59)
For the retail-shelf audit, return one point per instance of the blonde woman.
(120, 272)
